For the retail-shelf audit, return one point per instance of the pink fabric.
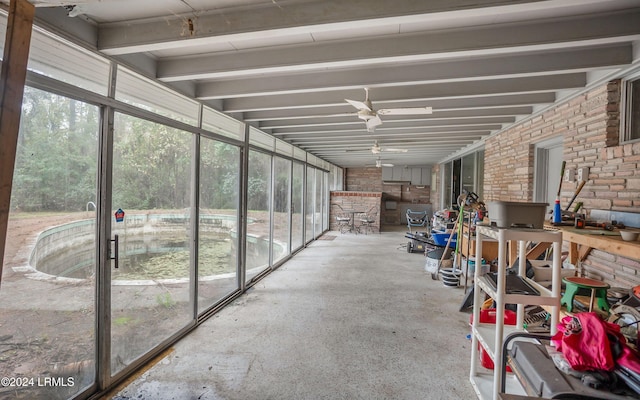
(584, 342)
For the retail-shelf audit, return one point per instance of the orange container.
(489, 317)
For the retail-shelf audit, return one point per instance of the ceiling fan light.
(406, 111)
(366, 115)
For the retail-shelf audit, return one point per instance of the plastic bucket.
(433, 258)
(451, 277)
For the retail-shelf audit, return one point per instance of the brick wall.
(342, 202)
(364, 179)
(370, 180)
(589, 126)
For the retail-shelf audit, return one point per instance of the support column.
(12, 79)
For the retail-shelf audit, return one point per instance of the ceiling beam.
(437, 115)
(416, 92)
(350, 143)
(437, 104)
(393, 125)
(418, 132)
(357, 124)
(279, 19)
(425, 46)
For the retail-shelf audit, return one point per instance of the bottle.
(557, 213)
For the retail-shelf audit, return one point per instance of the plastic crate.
(441, 238)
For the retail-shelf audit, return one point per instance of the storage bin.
(513, 214)
(441, 238)
(484, 266)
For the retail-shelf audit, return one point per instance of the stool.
(575, 283)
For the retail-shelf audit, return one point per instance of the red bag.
(584, 342)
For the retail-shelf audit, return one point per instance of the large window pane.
(325, 202)
(281, 208)
(317, 216)
(259, 193)
(47, 297)
(447, 185)
(310, 201)
(150, 292)
(468, 173)
(297, 217)
(633, 113)
(218, 228)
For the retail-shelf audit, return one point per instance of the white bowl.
(629, 236)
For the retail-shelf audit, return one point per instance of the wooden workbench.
(582, 241)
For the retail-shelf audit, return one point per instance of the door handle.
(115, 254)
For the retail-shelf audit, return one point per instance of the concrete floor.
(356, 317)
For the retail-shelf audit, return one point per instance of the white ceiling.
(287, 66)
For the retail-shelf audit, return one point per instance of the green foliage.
(165, 300)
(57, 159)
(57, 153)
(122, 321)
(259, 181)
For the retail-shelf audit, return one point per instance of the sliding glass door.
(218, 227)
(150, 211)
(258, 214)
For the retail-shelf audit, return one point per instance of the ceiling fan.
(380, 164)
(376, 149)
(371, 117)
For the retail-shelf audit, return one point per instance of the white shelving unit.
(487, 383)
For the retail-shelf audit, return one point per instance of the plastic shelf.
(485, 382)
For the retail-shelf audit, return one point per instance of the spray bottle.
(557, 212)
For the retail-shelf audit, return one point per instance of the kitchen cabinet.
(417, 176)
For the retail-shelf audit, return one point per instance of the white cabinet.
(417, 176)
(487, 383)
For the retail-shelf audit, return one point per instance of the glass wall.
(218, 227)
(297, 204)
(468, 174)
(310, 201)
(319, 203)
(258, 213)
(325, 202)
(463, 174)
(150, 291)
(52, 267)
(447, 185)
(47, 297)
(281, 208)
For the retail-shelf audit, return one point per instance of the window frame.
(627, 120)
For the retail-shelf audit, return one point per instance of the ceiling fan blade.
(391, 150)
(358, 104)
(373, 122)
(405, 111)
